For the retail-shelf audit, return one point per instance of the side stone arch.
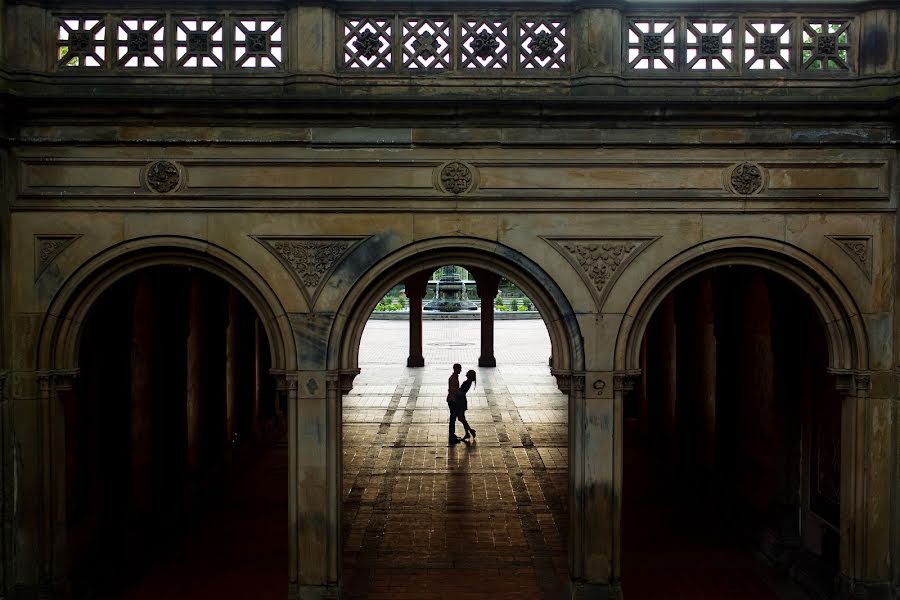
(61, 329)
(848, 361)
(846, 333)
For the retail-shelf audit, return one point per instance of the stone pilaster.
(596, 36)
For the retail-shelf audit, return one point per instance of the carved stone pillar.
(624, 383)
(313, 399)
(416, 288)
(487, 284)
(231, 366)
(144, 378)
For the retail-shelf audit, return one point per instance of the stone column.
(668, 362)
(758, 396)
(487, 284)
(196, 372)
(416, 288)
(144, 375)
(706, 363)
(257, 378)
(231, 366)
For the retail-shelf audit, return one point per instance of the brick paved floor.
(485, 520)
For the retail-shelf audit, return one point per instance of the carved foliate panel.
(485, 43)
(80, 42)
(543, 44)
(652, 44)
(858, 248)
(746, 179)
(199, 43)
(140, 42)
(600, 261)
(711, 44)
(426, 43)
(768, 44)
(368, 43)
(258, 43)
(47, 248)
(825, 45)
(310, 260)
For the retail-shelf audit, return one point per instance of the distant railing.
(447, 43)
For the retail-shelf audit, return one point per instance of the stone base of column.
(415, 361)
(487, 361)
(314, 592)
(580, 589)
(856, 590)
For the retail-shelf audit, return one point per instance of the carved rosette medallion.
(310, 260)
(600, 261)
(163, 177)
(47, 248)
(746, 179)
(456, 178)
(858, 248)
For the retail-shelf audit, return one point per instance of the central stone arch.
(568, 359)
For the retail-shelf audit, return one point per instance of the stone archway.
(551, 302)
(61, 333)
(847, 359)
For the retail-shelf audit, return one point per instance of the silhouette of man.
(452, 390)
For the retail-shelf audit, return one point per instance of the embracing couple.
(456, 401)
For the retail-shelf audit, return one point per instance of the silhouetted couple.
(456, 401)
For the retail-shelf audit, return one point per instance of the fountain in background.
(450, 294)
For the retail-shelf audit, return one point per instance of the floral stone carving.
(600, 261)
(163, 177)
(310, 260)
(746, 179)
(456, 177)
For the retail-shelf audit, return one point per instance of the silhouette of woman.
(462, 404)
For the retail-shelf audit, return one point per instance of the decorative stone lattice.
(600, 261)
(456, 178)
(652, 44)
(81, 42)
(710, 44)
(746, 179)
(543, 44)
(163, 177)
(769, 44)
(858, 248)
(47, 248)
(140, 42)
(425, 43)
(258, 43)
(368, 43)
(310, 260)
(199, 43)
(484, 43)
(826, 45)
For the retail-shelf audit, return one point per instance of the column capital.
(487, 283)
(416, 286)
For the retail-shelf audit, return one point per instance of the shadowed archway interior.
(732, 457)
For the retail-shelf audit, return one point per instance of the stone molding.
(858, 248)
(47, 248)
(599, 261)
(310, 259)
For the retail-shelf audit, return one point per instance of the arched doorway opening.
(437, 510)
(167, 428)
(157, 362)
(732, 442)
